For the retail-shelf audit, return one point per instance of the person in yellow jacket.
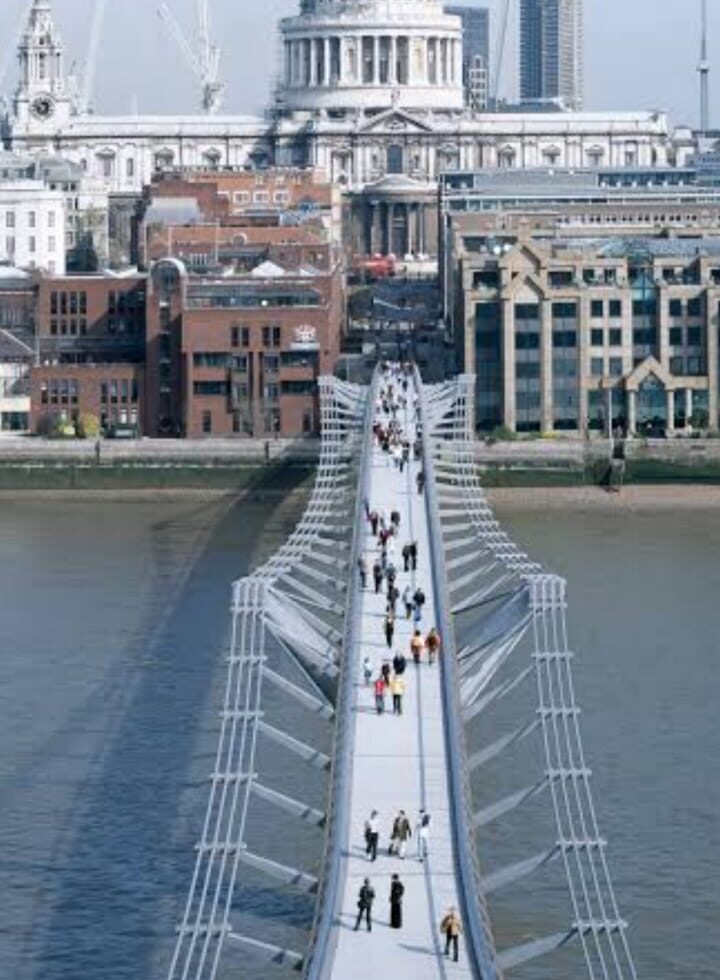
(451, 927)
(397, 689)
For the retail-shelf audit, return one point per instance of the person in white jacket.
(422, 835)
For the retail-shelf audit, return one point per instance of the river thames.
(114, 620)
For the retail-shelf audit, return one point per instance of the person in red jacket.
(380, 694)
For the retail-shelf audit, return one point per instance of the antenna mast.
(704, 70)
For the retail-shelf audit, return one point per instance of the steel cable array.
(497, 595)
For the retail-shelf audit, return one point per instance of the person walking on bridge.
(377, 576)
(366, 897)
(413, 555)
(432, 642)
(418, 603)
(417, 645)
(397, 689)
(372, 835)
(402, 832)
(379, 688)
(422, 834)
(389, 627)
(397, 890)
(407, 601)
(451, 927)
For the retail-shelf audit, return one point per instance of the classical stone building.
(370, 92)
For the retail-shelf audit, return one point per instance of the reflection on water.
(115, 616)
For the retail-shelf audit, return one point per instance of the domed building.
(370, 93)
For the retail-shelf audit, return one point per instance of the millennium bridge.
(488, 742)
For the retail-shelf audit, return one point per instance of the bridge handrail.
(481, 947)
(319, 961)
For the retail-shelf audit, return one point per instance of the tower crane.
(90, 70)
(704, 70)
(11, 50)
(204, 60)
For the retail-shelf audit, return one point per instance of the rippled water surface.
(114, 619)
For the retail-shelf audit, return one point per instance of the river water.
(114, 619)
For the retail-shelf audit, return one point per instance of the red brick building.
(240, 354)
(91, 350)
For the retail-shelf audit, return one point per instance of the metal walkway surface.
(398, 763)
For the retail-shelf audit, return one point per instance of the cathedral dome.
(370, 55)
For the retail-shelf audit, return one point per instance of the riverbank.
(234, 465)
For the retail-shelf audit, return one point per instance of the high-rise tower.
(551, 52)
(42, 101)
(370, 55)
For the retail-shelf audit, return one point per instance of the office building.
(551, 53)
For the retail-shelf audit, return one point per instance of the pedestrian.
(407, 601)
(374, 518)
(377, 576)
(418, 603)
(402, 832)
(397, 689)
(432, 642)
(380, 694)
(413, 555)
(366, 504)
(372, 835)
(367, 670)
(393, 594)
(420, 478)
(406, 557)
(395, 518)
(417, 645)
(397, 890)
(366, 897)
(362, 569)
(422, 834)
(451, 927)
(399, 663)
(385, 671)
(391, 573)
(389, 628)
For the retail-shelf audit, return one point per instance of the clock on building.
(42, 106)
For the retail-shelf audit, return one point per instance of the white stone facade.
(32, 226)
(370, 88)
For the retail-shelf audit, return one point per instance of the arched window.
(506, 157)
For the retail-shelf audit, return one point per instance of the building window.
(395, 159)
(597, 366)
(32, 244)
(677, 366)
(597, 338)
(597, 309)
(10, 219)
(615, 307)
(694, 336)
(207, 423)
(676, 307)
(31, 219)
(694, 307)
(130, 168)
(676, 336)
(51, 219)
(616, 367)
(205, 389)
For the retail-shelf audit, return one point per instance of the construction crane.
(203, 60)
(11, 50)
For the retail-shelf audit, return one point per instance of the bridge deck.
(399, 763)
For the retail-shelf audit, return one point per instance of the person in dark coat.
(377, 576)
(406, 557)
(389, 629)
(366, 897)
(413, 555)
(397, 890)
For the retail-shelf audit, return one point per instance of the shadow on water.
(127, 855)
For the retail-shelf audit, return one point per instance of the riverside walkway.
(399, 761)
